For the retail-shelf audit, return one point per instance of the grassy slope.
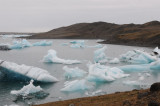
(129, 98)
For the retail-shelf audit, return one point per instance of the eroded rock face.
(155, 87)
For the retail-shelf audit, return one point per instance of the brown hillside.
(147, 34)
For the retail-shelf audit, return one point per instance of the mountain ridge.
(147, 34)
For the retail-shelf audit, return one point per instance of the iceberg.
(51, 57)
(99, 55)
(101, 73)
(138, 57)
(43, 43)
(114, 61)
(77, 85)
(73, 72)
(26, 90)
(12, 71)
(20, 44)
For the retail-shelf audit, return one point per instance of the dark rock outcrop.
(4, 47)
(155, 87)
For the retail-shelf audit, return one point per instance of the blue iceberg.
(12, 71)
(20, 44)
(138, 57)
(101, 73)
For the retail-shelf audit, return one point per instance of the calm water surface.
(33, 56)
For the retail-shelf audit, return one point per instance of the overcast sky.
(44, 15)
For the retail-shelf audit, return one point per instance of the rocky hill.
(147, 34)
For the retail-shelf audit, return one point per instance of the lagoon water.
(33, 56)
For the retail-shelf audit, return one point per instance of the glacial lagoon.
(33, 56)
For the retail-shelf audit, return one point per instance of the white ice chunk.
(138, 57)
(114, 61)
(76, 85)
(11, 105)
(99, 55)
(51, 57)
(20, 44)
(31, 72)
(28, 89)
(73, 72)
(100, 73)
(43, 43)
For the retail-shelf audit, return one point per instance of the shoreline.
(128, 98)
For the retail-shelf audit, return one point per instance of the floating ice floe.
(20, 44)
(77, 85)
(73, 72)
(65, 44)
(95, 93)
(11, 105)
(96, 46)
(135, 68)
(77, 46)
(114, 61)
(138, 57)
(28, 89)
(99, 55)
(43, 43)
(101, 73)
(51, 57)
(12, 71)
(77, 42)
